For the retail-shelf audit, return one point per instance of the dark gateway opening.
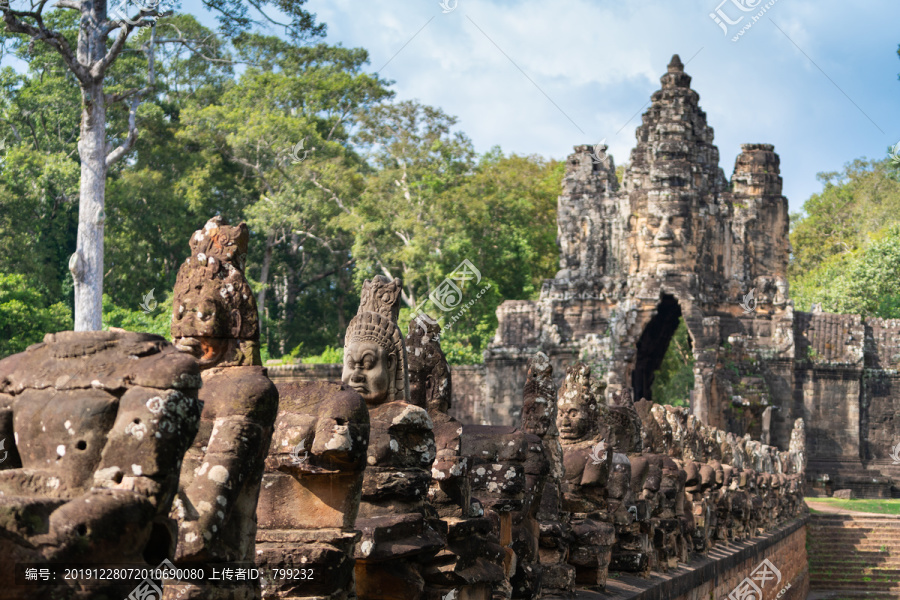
(653, 345)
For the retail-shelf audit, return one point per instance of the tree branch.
(54, 39)
(98, 70)
(128, 144)
(14, 130)
(322, 241)
(119, 97)
(334, 196)
(338, 122)
(186, 42)
(136, 96)
(324, 274)
(254, 168)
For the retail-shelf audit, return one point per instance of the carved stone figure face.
(661, 234)
(430, 385)
(369, 370)
(214, 311)
(537, 418)
(573, 421)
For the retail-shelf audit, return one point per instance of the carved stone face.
(369, 370)
(435, 398)
(430, 385)
(214, 311)
(573, 421)
(537, 418)
(662, 233)
(540, 397)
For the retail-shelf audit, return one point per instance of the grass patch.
(874, 505)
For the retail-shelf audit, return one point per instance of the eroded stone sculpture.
(508, 468)
(401, 531)
(587, 460)
(539, 418)
(95, 425)
(620, 425)
(215, 320)
(471, 565)
(311, 490)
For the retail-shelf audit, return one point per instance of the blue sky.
(541, 77)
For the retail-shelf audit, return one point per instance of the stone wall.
(880, 400)
(845, 387)
(785, 549)
(717, 576)
(467, 400)
(303, 372)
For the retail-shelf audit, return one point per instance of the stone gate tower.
(673, 238)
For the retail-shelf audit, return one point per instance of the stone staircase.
(856, 555)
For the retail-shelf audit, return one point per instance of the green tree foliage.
(506, 226)
(862, 199)
(39, 123)
(405, 217)
(863, 282)
(336, 183)
(674, 380)
(430, 204)
(154, 317)
(25, 314)
(166, 191)
(845, 245)
(284, 125)
(330, 355)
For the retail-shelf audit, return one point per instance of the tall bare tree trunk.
(87, 262)
(264, 273)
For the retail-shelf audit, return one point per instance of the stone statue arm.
(342, 432)
(231, 452)
(246, 405)
(146, 445)
(597, 464)
(595, 474)
(322, 427)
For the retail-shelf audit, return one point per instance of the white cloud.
(599, 62)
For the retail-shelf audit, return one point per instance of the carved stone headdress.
(376, 321)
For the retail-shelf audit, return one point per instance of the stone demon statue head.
(214, 315)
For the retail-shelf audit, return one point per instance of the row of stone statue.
(123, 449)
